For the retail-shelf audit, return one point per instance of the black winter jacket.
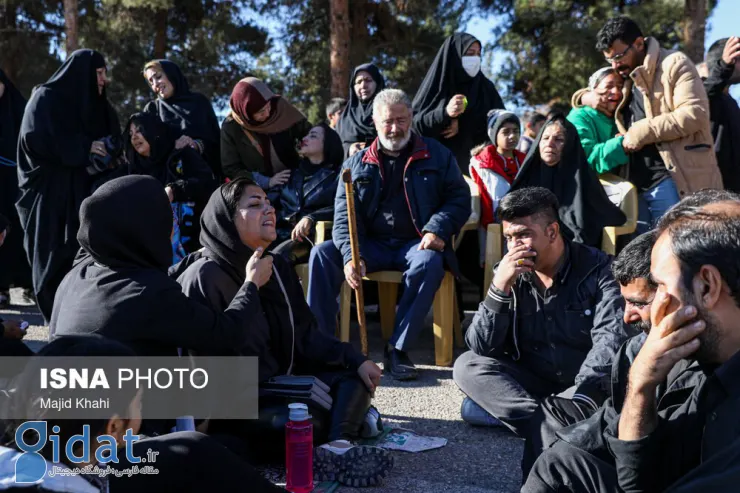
(725, 119)
(586, 334)
(307, 195)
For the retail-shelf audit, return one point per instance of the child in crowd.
(494, 166)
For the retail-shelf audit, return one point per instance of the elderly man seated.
(410, 200)
(552, 317)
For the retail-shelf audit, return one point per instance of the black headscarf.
(220, 238)
(12, 104)
(584, 206)
(447, 77)
(161, 143)
(333, 152)
(189, 112)
(222, 244)
(126, 223)
(356, 122)
(76, 81)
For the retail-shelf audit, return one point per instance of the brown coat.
(676, 117)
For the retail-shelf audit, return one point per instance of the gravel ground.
(475, 460)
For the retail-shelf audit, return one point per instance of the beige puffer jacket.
(677, 117)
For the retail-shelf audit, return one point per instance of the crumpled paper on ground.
(409, 441)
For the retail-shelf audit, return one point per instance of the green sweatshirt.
(597, 132)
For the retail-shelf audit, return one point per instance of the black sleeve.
(197, 183)
(432, 123)
(719, 78)
(487, 334)
(45, 136)
(191, 324)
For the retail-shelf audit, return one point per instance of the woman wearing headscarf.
(189, 113)
(69, 134)
(259, 137)
(14, 268)
(356, 127)
(119, 287)
(455, 97)
(557, 162)
(183, 173)
(309, 195)
(237, 222)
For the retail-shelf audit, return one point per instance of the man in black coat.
(720, 72)
(552, 318)
(410, 200)
(691, 444)
(631, 269)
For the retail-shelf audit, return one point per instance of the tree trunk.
(71, 11)
(160, 36)
(694, 26)
(339, 40)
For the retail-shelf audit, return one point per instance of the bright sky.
(722, 24)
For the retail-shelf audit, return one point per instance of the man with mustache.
(631, 269)
(551, 320)
(410, 200)
(680, 401)
(664, 116)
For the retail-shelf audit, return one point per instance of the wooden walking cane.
(354, 243)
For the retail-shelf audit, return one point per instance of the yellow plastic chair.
(628, 205)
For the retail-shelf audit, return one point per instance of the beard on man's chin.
(709, 338)
(394, 144)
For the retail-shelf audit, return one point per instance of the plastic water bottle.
(299, 450)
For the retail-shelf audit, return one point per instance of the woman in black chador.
(189, 113)
(69, 134)
(14, 268)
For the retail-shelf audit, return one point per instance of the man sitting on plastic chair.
(552, 317)
(411, 199)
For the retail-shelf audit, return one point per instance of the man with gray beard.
(410, 200)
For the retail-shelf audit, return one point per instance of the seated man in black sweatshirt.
(552, 317)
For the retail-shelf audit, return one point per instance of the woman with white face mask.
(455, 97)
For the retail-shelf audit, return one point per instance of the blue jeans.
(423, 271)
(653, 203)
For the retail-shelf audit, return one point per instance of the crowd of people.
(176, 234)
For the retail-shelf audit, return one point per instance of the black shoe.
(398, 364)
(355, 466)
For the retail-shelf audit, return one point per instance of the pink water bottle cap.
(298, 412)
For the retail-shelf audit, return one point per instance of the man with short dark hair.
(664, 117)
(720, 71)
(631, 269)
(551, 319)
(334, 111)
(691, 444)
(531, 129)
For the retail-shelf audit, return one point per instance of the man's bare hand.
(353, 277)
(430, 241)
(732, 50)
